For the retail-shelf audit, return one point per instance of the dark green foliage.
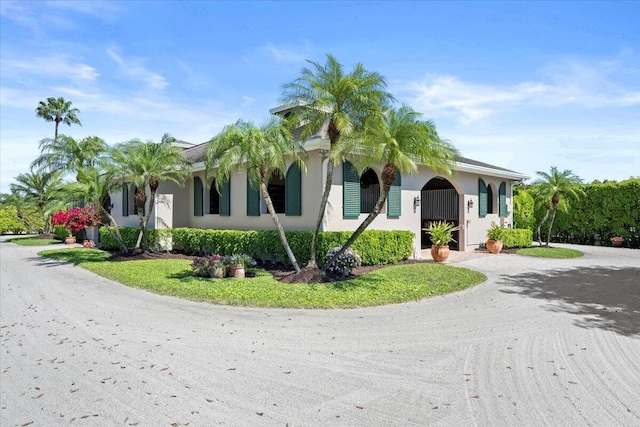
(523, 209)
(517, 238)
(129, 237)
(608, 209)
(11, 223)
(374, 246)
(60, 232)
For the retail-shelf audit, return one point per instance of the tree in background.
(262, 151)
(326, 96)
(402, 142)
(67, 154)
(523, 208)
(58, 111)
(555, 190)
(93, 187)
(41, 189)
(145, 164)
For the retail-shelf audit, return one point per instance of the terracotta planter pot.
(494, 246)
(439, 253)
(69, 240)
(236, 270)
(89, 244)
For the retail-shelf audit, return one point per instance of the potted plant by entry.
(441, 234)
(494, 235)
(236, 264)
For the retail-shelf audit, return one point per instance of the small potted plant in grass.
(209, 266)
(494, 235)
(236, 264)
(441, 233)
(617, 240)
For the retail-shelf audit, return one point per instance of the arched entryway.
(439, 202)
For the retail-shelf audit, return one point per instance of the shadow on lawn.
(603, 297)
(75, 256)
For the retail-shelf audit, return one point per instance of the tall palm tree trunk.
(388, 176)
(276, 221)
(553, 217)
(321, 212)
(115, 234)
(546, 216)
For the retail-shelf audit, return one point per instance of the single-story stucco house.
(475, 196)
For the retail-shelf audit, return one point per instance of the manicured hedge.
(374, 246)
(129, 237)
(607, 209)
(517, 238)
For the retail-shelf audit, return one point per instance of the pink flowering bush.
(77, 219)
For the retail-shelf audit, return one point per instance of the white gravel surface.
(542, 343)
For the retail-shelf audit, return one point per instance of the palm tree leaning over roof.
(145, 164)
(58, 111)
(65, 153)
(554, 191)
(262, 151)
(402, 142)
(93, 187)
(324, 93)
(41, 189)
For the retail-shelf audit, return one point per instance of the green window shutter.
(125, 200)
(350, 191)
(197, 197)
(482, 198)
(502, 202)
(253, 200)
(293, 191)
(225, 198)
(394, 205)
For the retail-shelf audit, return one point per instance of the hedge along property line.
(517, 238)
(376, 247)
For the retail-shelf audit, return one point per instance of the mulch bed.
(281, 273)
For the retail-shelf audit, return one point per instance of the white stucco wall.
(473, 227)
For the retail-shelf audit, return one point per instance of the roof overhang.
(481, 170)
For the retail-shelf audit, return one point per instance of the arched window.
(214, 199)
(369, 190)
(133, 210)
(197, 196)
(489, 199)
(276, 189)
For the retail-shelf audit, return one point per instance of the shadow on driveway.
(604, 297)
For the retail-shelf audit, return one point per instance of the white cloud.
(52, 66)
(133, 67)
(248, 101)
(286, 55)
(567, 83)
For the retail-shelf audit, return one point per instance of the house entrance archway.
(439, 202)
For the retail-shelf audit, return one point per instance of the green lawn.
(388, 285)
(549, 252)
(32, 241)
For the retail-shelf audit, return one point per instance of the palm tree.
(263, 151)
(554, 191)
(343, 102)
(145, 164)
(94, 187)
(402, 142)
(20, 203)
(41, 189)
(58, 111)
(65, 153)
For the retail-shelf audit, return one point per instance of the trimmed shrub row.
(374, 246)
(517, 238)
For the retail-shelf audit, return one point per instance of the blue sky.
(524, 86)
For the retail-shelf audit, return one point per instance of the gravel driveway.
(542, 342)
